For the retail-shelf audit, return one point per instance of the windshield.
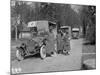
(42, 34)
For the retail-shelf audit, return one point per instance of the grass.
(89, 49)
(89, 52)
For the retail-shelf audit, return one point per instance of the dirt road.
(56, 63)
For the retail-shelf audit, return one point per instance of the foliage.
(88, 17)
(62, 14)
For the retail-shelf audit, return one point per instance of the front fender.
(21, 50)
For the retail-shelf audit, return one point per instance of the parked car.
(43, 43)
(75, 33)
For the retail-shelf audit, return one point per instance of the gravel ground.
(56, 63)
(88, 52)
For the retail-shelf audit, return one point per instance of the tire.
(19, 55)
(43, 52)
(65, 52)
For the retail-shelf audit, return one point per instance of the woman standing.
(66, 43)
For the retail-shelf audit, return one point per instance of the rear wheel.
(65, 52)
(19, 55)
(43, 52)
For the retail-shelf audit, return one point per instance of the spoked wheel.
(43, 52)
(19, 55)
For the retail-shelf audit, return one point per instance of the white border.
(5, 36)
(82, 2)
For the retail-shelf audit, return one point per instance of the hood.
(38, 39)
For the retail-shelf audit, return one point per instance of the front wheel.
(43, 51)
(19, 55)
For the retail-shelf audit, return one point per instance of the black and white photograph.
(51, 37)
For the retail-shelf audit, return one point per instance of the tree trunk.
(16, 32)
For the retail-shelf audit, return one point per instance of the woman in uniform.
(66, 43)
